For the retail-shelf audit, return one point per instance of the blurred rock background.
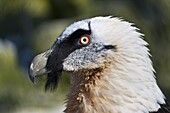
(28, 27)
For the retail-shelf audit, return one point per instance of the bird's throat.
(84, 96)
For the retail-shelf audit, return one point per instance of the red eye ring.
(85, 39)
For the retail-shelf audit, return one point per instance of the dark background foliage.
(28, 27)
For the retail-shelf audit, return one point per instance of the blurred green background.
(28, 27)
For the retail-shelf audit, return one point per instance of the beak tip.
(32, 77)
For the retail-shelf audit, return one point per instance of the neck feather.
(81, 98)
(114, 90)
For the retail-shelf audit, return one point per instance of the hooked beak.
(51, 63)
(38, 66)
(48, 63)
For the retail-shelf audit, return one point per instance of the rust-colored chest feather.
(86, 92)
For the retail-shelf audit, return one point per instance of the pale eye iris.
(85, 39)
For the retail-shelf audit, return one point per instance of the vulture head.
(112, 70)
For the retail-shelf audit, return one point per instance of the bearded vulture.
(111, 68)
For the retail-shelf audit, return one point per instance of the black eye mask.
(60, 51)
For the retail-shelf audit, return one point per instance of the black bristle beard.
(52, 80)
(54, 67)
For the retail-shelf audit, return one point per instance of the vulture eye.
(85, 39)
